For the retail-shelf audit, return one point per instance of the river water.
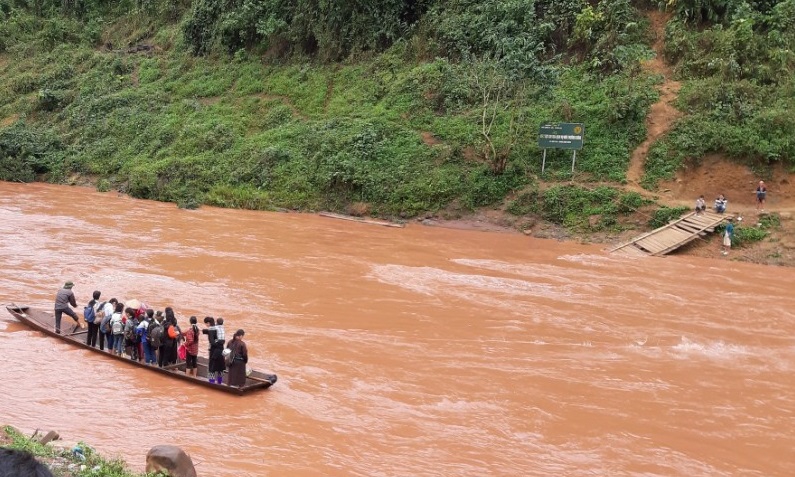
(403, 352)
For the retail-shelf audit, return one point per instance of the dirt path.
(662, 113)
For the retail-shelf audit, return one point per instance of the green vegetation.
(65, 462)
(579, 208)
(406, 107)
(745, 234)
(663, 215)
(736, 58)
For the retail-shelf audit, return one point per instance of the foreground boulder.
(170, 459)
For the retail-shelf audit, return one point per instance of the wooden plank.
(689, 228)
(674, 247)
(360, 220)
(653, 246)
(674, 234)
(659, 241)
(666, 239)
(633, 252)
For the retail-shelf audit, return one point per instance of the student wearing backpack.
(154, 336)
(117, 328)
(192, 348)
(104, 324)
(143, 336)
(90, 315)
(130, 336)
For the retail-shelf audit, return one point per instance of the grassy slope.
(237, 132)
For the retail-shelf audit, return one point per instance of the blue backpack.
(88, 314)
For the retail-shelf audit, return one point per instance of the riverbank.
(65, 459)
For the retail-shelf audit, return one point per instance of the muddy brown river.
(403, 352)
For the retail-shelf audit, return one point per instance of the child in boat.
(219, 328)
(192, 348)
(117, 329)
(143, 329)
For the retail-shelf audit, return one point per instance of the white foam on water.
(712, 349)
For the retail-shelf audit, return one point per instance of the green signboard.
(561, 135)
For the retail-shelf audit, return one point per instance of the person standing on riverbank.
(728, 234)
(63, 299)
(761, 195)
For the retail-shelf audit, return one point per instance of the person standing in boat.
(192, 348)
(168, 349)
(210, 330)
(104, 325)
(117, 329)
(215, 364)
(237, 368)
(130, 335)
(63, 299)
(143, 336)
(219, 328)
(93, 326)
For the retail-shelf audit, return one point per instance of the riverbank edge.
(67, 459)
(497, 220)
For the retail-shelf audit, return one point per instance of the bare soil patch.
(662, 114)
(429, 139)
(8, 120)
(285, 101)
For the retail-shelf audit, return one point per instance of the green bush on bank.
(578, 208)
(745, 234)
(663, 215)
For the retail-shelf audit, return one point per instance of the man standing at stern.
(63, 299)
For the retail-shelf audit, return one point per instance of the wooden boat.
(44, 321)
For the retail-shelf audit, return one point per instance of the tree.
(500, 105)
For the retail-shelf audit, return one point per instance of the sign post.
(561, 136)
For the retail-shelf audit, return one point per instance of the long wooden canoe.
(44, 321)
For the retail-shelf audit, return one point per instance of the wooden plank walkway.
(673, 235)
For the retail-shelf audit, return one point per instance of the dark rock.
(171, 459)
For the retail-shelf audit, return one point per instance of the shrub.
(27, 151)
(663, 215)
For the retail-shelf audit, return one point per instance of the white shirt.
(109, 307)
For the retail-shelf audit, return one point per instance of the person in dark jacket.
(63, 299)
(216, 364)
(237, 369)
